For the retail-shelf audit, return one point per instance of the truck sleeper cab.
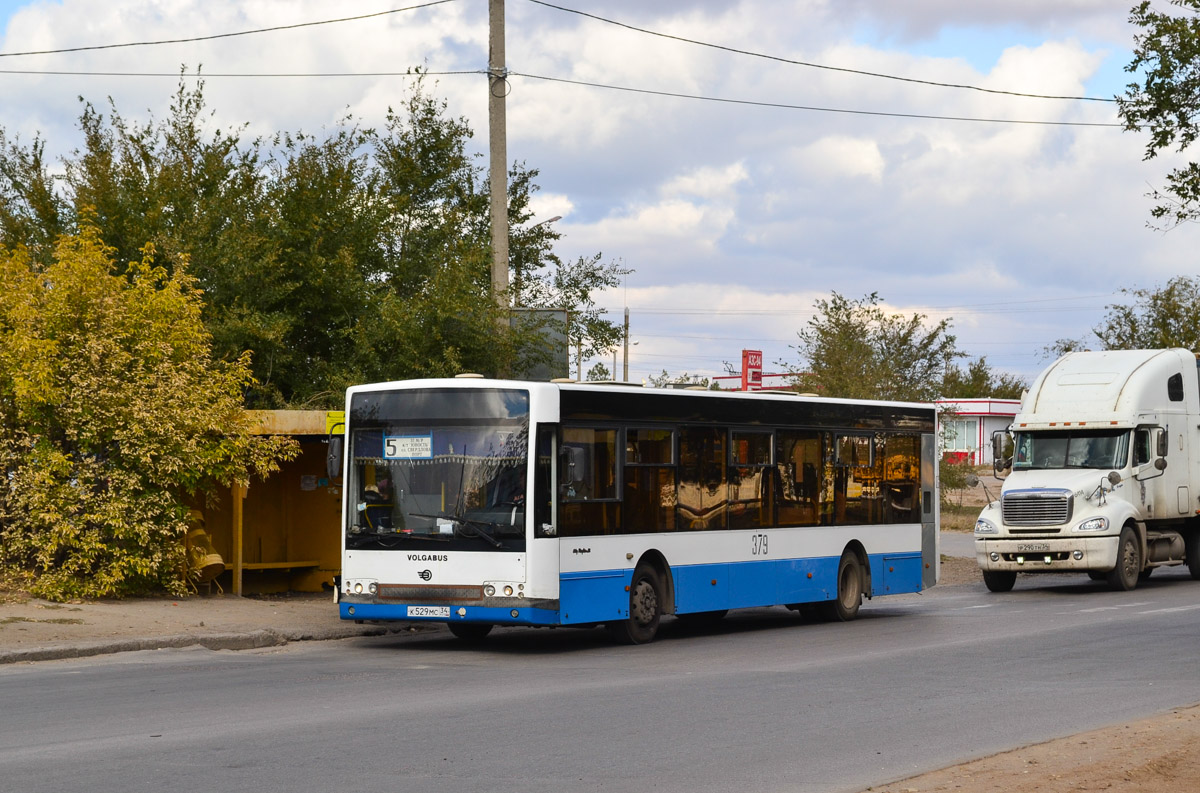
(1103, 472)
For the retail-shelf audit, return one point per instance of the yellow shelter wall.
(291, 516)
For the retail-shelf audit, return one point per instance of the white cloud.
(717, 204)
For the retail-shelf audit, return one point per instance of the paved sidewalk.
(38, 630)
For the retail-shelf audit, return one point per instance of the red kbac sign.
(751, 369)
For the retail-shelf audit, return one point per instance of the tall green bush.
(113, 414)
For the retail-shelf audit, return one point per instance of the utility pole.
(498, 155)
(625, 378)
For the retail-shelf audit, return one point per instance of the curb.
(210, 641)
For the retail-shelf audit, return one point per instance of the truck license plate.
(429, 611)
(1032, 547)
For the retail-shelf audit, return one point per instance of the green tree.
(351, 256)
(856, 349)
(32, 213)
(979, 380)
(1157, 318)
(1167, 100)
(665, 379)
(113, 417)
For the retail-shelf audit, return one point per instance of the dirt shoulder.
(1155, 755)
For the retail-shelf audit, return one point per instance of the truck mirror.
(1161, 463)
(1114, 478)
(1000, 461)
(972, 480)
(333, 458)
(1162, 444)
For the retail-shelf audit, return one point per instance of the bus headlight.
(985, 526)
(1093, 524)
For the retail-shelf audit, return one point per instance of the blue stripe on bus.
(601, 595)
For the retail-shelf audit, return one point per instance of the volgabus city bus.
(479, 502)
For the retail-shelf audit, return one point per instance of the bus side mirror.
(333, 457)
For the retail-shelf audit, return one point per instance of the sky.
(733, 216)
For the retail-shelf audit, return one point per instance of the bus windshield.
(438, 470)
(1103, 449)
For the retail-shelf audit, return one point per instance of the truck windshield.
(1104, 449)
(438, 469)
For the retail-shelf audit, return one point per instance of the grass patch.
(959, 518)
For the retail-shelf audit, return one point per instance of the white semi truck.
(1105, 472)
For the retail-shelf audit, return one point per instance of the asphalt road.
(764, 702)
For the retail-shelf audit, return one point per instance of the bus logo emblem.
(425, 575)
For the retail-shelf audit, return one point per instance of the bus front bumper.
(369, 610)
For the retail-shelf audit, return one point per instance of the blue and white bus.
(479, 502)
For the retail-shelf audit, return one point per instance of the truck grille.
(1036, 507)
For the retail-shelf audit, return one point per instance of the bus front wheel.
(844, 607)
(470, 631)
(645, 608)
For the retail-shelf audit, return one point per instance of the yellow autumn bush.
(113, 413)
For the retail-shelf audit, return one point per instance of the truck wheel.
(1192, 555)
(999, 580)
(1124, 576)
(645, 608)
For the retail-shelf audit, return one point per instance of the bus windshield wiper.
(476, 527)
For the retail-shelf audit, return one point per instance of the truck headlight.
(1093, 524)
(985, 526)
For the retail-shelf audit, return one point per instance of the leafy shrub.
(112, 413)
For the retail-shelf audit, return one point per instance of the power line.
(784, 106)
(205, 75)
(627, 89)
(784, 312)
(223, 35)
(819, 65)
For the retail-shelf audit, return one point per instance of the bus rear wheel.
(845, 606)
(645, 608)
(470, 631)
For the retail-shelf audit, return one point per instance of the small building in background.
(967, 429)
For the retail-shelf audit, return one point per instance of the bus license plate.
(429, 611)
(1031, 547)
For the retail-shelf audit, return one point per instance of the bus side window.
(799, 477)
(703, 499)
(543, 518)
(587, 482)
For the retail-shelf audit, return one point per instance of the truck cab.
(1104, 472)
